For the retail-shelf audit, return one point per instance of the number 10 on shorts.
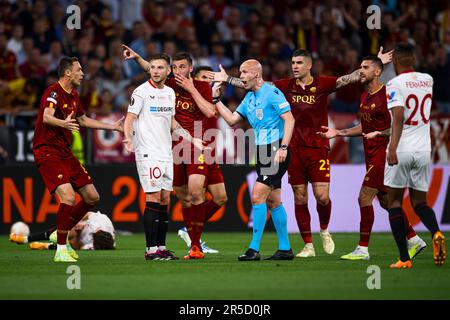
(155, 173)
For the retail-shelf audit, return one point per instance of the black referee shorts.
(269, 172)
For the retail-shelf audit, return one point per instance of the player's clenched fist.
(128, 145)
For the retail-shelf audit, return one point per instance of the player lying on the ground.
(94, 232)
(375, 120)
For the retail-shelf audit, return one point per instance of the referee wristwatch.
(284, 147)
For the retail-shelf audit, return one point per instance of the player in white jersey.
(148, 126)
(409, 152)
(94, 231)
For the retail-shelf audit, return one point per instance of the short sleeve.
(279, 102)
(136, 103)
(281, 84)
(394, 95)
(242, 108)
(328, 84)
(80, 109)
(204, 89)
(172, 101)
(51, 100)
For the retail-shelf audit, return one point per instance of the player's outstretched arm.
(231, 118)
(128, 54)
(222, 76)
(374, 134)
(353, 77)
(87, 122)
(206, 107)
(178, 130)
(68, 123)
(128, 131)
(331, 133)
(397, 129)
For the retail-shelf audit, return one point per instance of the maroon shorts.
(57, 169)
(215, 175)
(374, 177)
(308, 165)
(182, 171)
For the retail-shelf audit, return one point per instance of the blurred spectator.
(42, 36)
(441, 77)
(15, 42)
(236, 49)
(204, 23)
(218, 57)
(52, 58)
(232, 20)
(8, 61)
(34, 66)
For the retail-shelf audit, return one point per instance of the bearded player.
(193, 104)
(375, 128)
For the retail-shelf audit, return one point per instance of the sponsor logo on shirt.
(309, 99)
(390, 96)
(160, 109)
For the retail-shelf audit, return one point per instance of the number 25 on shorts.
(325, 165)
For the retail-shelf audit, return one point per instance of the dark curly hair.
(103, 240)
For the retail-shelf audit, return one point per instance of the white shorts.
(155, 175)
(413, 171)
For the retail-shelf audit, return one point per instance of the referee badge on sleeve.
(259, 114)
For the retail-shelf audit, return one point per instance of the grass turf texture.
(123, 273)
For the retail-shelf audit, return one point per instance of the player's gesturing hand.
(118, 125)
(391, 157)
(198, 143)
(186, 83)
(71, 124)
(385, 57)
(128, 53)
(221, 76)
(128, 145)
(371, 135)
(280, 156)
(330, 133)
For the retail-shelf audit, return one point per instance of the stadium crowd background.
(34, 36)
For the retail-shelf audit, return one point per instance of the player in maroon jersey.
(60, 113)
(310, 162)
(193, 104)
(375, 128)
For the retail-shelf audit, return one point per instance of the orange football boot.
(194, 253)
(439, 253)
(17, 238)
(401, 265)
(39, 246)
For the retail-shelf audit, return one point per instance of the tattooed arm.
(181, 132)
(222, 76)
(331, 133)
(348, 79)
(374, 134)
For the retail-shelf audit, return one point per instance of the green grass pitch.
(123, 273)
